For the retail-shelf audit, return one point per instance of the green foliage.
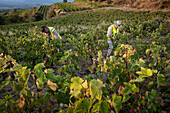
(79, 78)
(2, 19)
(38, 16)
(68, 7)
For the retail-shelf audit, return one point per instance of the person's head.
(44, 29)
(117, 24)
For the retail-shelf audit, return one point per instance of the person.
(113, 30)
(50, 31)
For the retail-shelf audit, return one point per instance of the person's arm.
(56, 35)
(109, 33)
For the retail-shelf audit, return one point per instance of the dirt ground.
(124, 7)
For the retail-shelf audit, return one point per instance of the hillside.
(37, 78)
(145, 4)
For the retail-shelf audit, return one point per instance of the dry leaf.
(22, 102)
(52, 85)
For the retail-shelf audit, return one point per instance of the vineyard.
(36, 77)
(92, 4)
(44, 10)
(68, 7)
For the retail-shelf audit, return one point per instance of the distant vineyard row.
(44, 9)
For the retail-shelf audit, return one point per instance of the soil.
(140, 4)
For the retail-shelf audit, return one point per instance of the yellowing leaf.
(146, 72)
(22, 102)
(85, 84)
(154, 71)
(139, 72)
(110, 102)
(52, 85)
(88, 91)
(147, 51)
(124, 56)
(141, 60)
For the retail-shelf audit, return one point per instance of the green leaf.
(16, 67)
(98, 83)
(125, 91)
(18, 87)
(39, 83)
(139, 79)
(96, 107)
(38, 70)
(125, 98)
(160, 80)
(48, 73)
(24, 73)
(39, 66)
(78, 106)
(94, 91)
(75, 93)
(117, 100)
(153, 92)
(82, 105)
(95, 88)
(70, 110)
(6, 82)
(76, 86)
(104, 107)
(130, 88)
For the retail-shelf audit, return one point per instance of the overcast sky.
(5, 4)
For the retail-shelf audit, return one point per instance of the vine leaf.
(82, 105)
(125, 98)
(52, 85)
(117, 102)
(104, 107)
(22, 102)
(130, 88)
(139, 79)
(145, 72)
(85, 85)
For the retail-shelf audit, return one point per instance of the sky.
(9, 4)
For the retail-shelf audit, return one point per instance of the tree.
(2, 19)
(14, 18)
(64, 1)
(38, 16)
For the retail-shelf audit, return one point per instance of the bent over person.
(113, 30)
(50, 31)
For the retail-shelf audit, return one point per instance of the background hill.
(149, 4)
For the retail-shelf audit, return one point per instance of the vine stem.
(36, 85)
(40, 110)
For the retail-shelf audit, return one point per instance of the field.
(37, 78)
